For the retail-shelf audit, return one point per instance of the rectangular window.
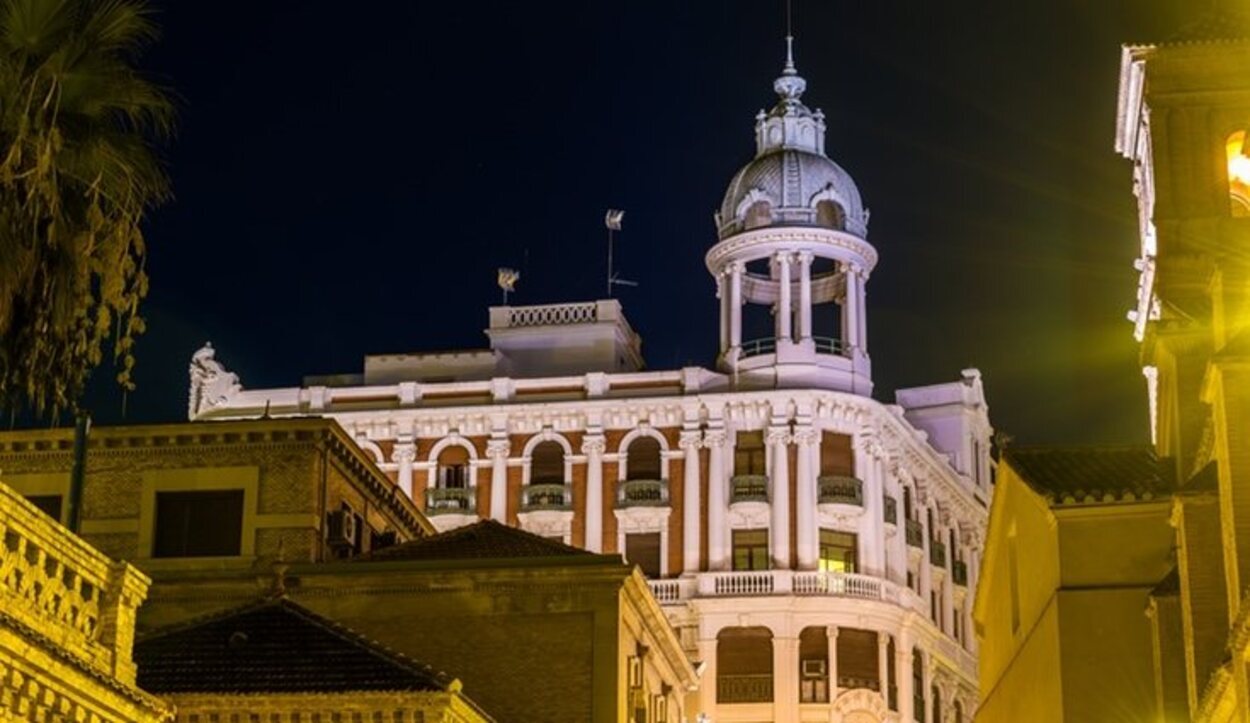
(643, 550)
(749, 457)
(750, 549)
(198, 524)
(50, 505)
(836, 457)
(839, 551)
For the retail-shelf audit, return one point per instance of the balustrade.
(642, 493)
(744, 688)
(450, 500)
(546, 497)
(847, 682)
(840, 490)
(553, 315)
(748, 488)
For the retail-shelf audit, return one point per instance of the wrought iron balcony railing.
(744, 688)
(937, 553)
(890, 511)
(642, 493)
(451, 500)
(748, 488)
(833, 489)
(851, 681)
(959, 572)
(536, 497)
(915, 533)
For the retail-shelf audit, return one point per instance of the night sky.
(348, 177)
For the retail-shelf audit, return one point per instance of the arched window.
(453, 468)
(759, 214)
(1238, 152)
(642, 460)
(547, 464)
(830, 215)
(744, 665)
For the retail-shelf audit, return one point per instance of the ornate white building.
(816, 549)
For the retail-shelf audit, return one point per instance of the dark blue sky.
(348, 177)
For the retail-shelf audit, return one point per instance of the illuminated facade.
(67, 625)
(816, 549)
(1184, 114)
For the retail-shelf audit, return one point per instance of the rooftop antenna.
(612, 220)
(790, 69)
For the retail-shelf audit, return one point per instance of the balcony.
(758, 347)
(890, 511)
(744, 688)
(937, 553)
(451, 501)
(915, 533)
(642, 493)
(768, 345)
(840, 490)
(536, 497)
(775, 582)
(61, 589)
(847, 682)
(748, 488)
(959, 572)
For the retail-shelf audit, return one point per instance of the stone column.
(867, 469)
(902, 667)
(883, 665)
(850, 308)
(717, 502)
(785, 678)
(785, 306)
(722, 296)
(806, 537)
(592, 447)
(862, 316)
(831, 633)
(805, 295)
(690, 442)
(497, 449)
(928, 689)
(926, 567)
(735, 304)
(779, 501)
(404, 454)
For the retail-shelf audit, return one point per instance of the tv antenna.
(612, 220)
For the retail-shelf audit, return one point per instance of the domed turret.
(791, 181)
(793, 230)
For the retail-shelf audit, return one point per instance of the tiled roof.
(1075, 475)
(486, 539)
(273, 646)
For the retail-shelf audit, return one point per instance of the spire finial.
(790, 69)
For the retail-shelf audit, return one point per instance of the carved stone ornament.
(547, 523)
(860, 705)
(211, 385)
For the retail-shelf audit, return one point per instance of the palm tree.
(78, 171)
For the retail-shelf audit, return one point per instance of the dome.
(793, 183)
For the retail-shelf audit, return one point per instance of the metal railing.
(850, 681)
(450, 500)
(642, 493)
(959, 572)
(827, 345)
(915, 533)
(756, 347)
(744, 688)
(937, 553)
(748, 488)
(546, 497)
(840, 490)
(890, 511)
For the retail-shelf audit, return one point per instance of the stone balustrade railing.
(642, 493)
(54, 583)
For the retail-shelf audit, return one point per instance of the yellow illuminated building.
(67, 623)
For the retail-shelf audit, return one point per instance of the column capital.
(404, 453)
(498, 448)
(831, 632)
(714, 438)
(806, 435)
(594, 444)
(779, 435)
(690, 439)
(805, 257)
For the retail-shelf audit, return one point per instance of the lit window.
(1238, 174)
(839, 551)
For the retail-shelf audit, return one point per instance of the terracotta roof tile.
(486, 539)
(273, 646)
(1091, 474)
